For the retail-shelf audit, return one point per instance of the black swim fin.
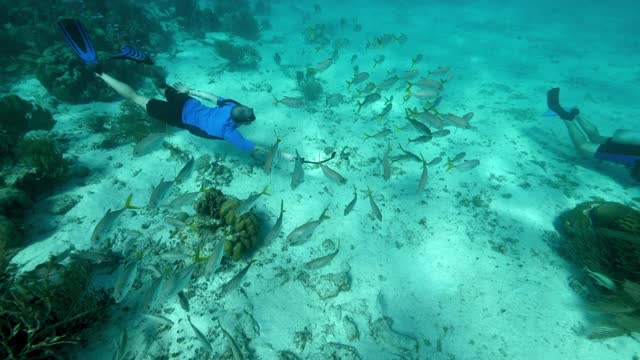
(79, 40)
(553, 102)
(134, 54)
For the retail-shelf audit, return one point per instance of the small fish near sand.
(276, 228)
(148, 144)
(370, 99)
(324, 65)
(303, 232)
(465, 165)
(107, 220)
(200, 336)
(235, 349)
(386, 163)
(159, 192)
(235, 281)
(416, 59)
(185, 172)
(332, 174)
(298, 172)
(357, 79)
(292, 102)
(424, 177)
(323, 260)
(375, 210)
(127, 275)
(248, 203)
(379, 60)
(352, 203)
(457, 121)
(268, 161)
(380, 134)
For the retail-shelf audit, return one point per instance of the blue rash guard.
(213, 122)
(626, 154)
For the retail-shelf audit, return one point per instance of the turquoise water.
(460, 263)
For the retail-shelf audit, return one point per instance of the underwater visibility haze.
(251, 179)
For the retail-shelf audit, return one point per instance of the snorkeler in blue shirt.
(181, 110)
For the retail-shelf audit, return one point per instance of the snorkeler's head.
(243, 114)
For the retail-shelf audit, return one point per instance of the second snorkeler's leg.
(124, 90)
(584, 148)
(591, 131)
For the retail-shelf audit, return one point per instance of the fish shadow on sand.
(561, 148)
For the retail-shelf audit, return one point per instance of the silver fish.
(424, 177)
(185, 199)
(332, 174)
(235, 350)
(275, 229)
(457, 121)
(107, 220)
(386, 110)
(432, 119)
(467, 165)
(371, 98)
(357, 79)
(176, 282)
(323, 260)
(268, 161)
(148, 144)
(380, 134)
(213, 263)
(200, 336)
(421, 139)
(458, 157)
(352, 203)
(411, 155)
(185, 172)
(236, 279)
(163, 320)
(441, 133)
(158, 193)
(151, 296)
(184, 302)
(248, 203)
(427, 83)
(375, 210)
(409, 74)
(387, 83)
(298, 172)
(418, 125)
(303, 232)
(292, 102)
(386, 164)
(124, 282)
(436, 160)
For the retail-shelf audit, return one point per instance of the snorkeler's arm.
(204, 95)
(189, 91)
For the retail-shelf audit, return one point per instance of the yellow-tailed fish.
(107, 220)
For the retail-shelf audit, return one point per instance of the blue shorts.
(626, 154)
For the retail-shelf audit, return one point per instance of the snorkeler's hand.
(182, 88)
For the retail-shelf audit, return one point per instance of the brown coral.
(244, 229)
(605, 238)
